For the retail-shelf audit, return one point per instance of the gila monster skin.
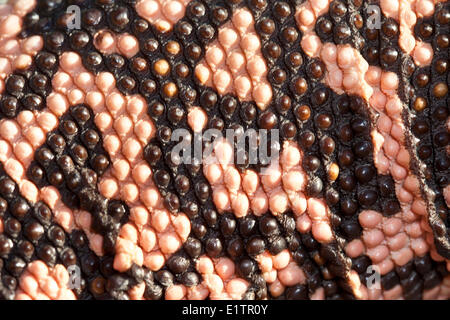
(358, 179)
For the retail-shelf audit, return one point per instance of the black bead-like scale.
(419, 274)
(31, 234)
(426, 115)
(219, 233)
(72, 160)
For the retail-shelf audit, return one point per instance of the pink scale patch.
(39, 282)
(234, 63)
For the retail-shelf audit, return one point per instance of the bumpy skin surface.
(361, 177)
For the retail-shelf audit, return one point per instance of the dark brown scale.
(15, 84)
(425, 30)
(372, 54)
(208, 100)
(294, 59)
(316, 70)
(78, 40)
(20, 209)
(219, 15)
(80, 153)
(272, 50)
(213, 247)
(311, 163)
(319, 96)
(100, 163)
(267, 26)
(345, 133)
(206, 33)
(324, 27)
(182, 70)
(255, 246)
(337, 9)
(6, 245)
(248, 226)
(175, 115)
(172, 202)
(327, 145)
(443, 16)
(34, 231)
(288, 130)
(9, 106)
(348, 207)
(278, 76)
(442, 41)
(300, 86)
(200, 15)
(194, 52)
(258, 4)
(341, 32)
(289, 35)
(307, 139)
(248, 112)
(119, 18)
(324, 121)
(389, 55)
(390, 28)
(267, 120)
(303, 113)
(13, 227)
(127, 84)
(372, 34)
(441, 66)
(358, 21)
(91, 17)
(45, 61)
(281, 10)
(227, 226)
(54, 42)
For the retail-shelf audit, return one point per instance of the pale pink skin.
(219, 281)
(280, 271)
(108, 43)
(126, 129)
(391, 156)
(348, 72)
(406, 14)
(234, 63)
(161, 13)
(277, 189)
(401, 10)
(39, 282)
(20, 138)
(389, 241)
(197, 119)
(306, 16)
(152, 233)
(16, 53)
(440, 292)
